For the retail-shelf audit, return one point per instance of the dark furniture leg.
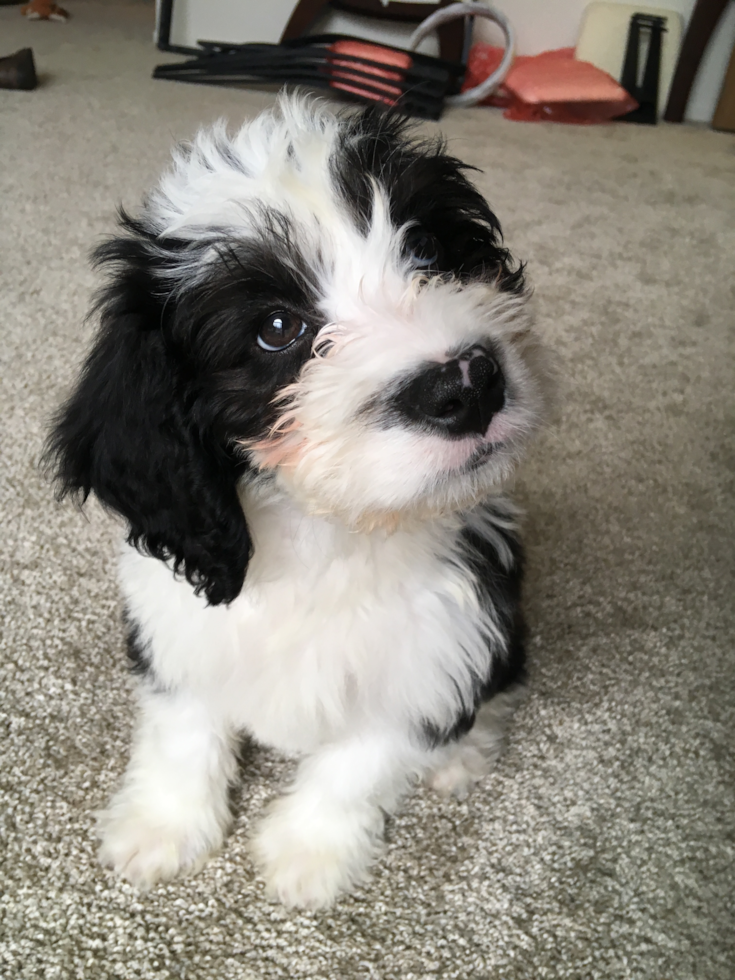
(705, 17)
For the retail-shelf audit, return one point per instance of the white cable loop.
(454, 12)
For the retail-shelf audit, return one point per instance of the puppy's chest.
(311, 582)
(332, 629)
(333, 625)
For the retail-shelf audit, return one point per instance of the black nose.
(459, 397)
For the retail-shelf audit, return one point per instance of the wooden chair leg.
(705, 17)
(724, 117)
(304, 14)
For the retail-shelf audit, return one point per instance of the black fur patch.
(500, 589)
(172, 382)
(139, 659)
(428, 187)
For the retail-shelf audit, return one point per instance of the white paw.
(145, 848)
(460, 768)
(308, 861)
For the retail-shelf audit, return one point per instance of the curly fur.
(319, 552)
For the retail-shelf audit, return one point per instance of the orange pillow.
(552, 86)
(557, 76)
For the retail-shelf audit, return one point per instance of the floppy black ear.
(134, 433)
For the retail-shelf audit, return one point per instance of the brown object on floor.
(18, 71)
(451, 35)
(44, 10)
(705, 18)
(724, 117)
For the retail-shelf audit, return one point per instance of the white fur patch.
(171, 811)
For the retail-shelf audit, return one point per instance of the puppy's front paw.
(459, 767)
(309, 859)
(144, 847)
(455, 778)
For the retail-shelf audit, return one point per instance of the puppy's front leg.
(172, 809)
(318, 840)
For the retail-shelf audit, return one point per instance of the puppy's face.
(321, 298)
(342, 295)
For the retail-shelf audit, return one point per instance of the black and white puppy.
(315, 368)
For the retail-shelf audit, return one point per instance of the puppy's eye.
(279, 330)
(423, 248)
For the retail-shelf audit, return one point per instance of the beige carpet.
(603, 845)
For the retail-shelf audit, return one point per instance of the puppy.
(315, 368)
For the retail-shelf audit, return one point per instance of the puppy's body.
(315, 369)
(335, 632)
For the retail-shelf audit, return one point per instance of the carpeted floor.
(603, 845)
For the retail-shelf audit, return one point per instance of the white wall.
(546, 24)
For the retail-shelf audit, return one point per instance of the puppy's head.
(323, 298)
